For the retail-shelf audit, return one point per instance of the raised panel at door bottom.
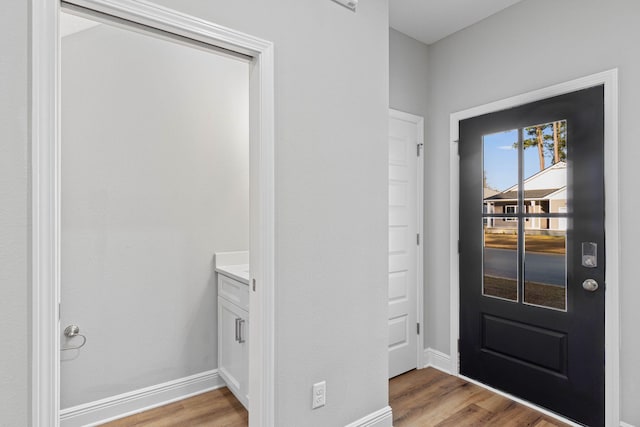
(398, 331)
(526, 343)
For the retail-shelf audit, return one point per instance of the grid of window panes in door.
(525, 215)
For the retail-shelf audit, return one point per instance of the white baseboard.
(623, 424)
(380, 418)
(437, 359)
(133, 402)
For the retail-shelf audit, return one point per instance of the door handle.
(590, 285)
(240, 334)
(237, 338)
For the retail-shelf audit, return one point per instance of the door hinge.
(418, 328)
(418, 239)
(418, 148)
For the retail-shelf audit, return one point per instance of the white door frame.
(419, 123)
(45, 188)
(612, 219)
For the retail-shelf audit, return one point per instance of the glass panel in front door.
(500, 196)
(545, 266)
(500, 259)
(525, 215)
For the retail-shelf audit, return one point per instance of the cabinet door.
(233, 362)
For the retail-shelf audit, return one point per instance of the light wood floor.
(431, 398)
(217, 408)
(421, 398)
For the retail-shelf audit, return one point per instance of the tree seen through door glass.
(545, 192)
(526, 197)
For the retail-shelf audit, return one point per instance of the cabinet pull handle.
(240, 334)
(237, 338)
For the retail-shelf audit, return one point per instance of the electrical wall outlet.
(319, 395)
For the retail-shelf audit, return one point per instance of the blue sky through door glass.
(501, 160)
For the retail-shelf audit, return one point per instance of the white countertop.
(233, 264)
(239, 272)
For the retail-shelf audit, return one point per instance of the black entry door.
(532, 253)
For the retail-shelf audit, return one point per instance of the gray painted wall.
(494, 59)
(331, 207)
(14, 220)
(331, 240)
(408, 72)
(155, 179)
(331, 215)
(408, 68)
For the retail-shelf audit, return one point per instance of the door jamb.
(418, 121)
(612, 303)
(45, 195)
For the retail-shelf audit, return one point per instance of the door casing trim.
(609, 79)
(45, 194)
(418, 121)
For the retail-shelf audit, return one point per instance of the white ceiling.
(432, 20)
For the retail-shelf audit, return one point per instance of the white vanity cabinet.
(233, 332)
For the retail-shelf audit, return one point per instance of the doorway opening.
(47, 198)
(154, 182)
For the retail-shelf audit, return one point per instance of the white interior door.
(405, 141)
